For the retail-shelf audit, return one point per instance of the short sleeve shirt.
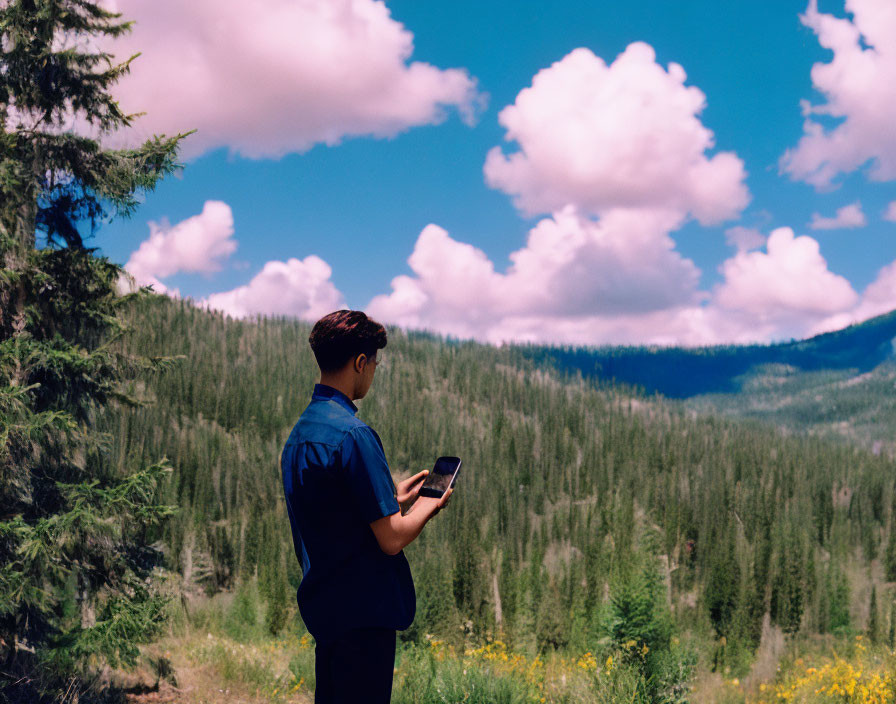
(337, 481)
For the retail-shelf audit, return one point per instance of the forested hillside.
(859, 407)
(568, 492)
(683, 372)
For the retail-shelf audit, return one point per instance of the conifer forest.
(577, 500)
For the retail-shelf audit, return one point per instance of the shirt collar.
(322, 392)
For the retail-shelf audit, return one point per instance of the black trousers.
(356, 668)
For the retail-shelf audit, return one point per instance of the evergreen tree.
(638, 610)
(823, 605)
(890, 557)
(839, 601)
(274, 589)
(723, 585)
(551, 622)
(508, 585)
(873, 622)
(788, 588)
(891, 637)
(592, 576)
(275, 616)
(746, 622)
(75, 530)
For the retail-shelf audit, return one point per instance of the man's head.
(345, 345)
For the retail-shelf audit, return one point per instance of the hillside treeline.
(562, 485)
(720, 369)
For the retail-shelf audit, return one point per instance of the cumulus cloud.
(789, 280)
(570, 266)
(879, 297)
(198, 244)
(744, 238)
(279, 76)
(859, 87)
(890, 213)
(625, 135)
(298, 288)
(613, 281)
(846, 217)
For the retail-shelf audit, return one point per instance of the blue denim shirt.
(337, 481)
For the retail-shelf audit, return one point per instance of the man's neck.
(340, 384)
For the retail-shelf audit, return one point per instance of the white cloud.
(571, 266)
(790, 281)
(613, 281)
(625, 135)
(879, 297)
(846, 217)
(744, 238)
(297, 287)
(279, 76)
(197, 244)
(890, 213)
(859, 86)
(683, 326)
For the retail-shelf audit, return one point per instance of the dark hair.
(343, 335)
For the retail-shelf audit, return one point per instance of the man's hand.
(409, 489)
(430, 503)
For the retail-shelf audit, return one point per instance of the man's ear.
(360, 362)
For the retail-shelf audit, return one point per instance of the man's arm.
(395, 532)
(371, 485)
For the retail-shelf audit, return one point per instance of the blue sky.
(361, 203)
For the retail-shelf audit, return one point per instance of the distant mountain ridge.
(679, 372)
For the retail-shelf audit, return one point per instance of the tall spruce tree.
(722, 595)
(874, 630)
(891, 636)
(76, 530)
(890, 555)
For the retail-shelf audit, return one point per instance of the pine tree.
(723, 585)
(890, 557)
(788, 588)
(552, 621)
(839, 601)
(873, 619)
(75, 531)
(508, 586)
(638, 607)
(746, 622)
(891, 636)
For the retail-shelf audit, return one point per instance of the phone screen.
(439, 479)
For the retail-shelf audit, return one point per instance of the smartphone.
(441, 477)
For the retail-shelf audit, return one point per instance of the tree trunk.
(498, 614)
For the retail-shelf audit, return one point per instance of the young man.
(349, 521)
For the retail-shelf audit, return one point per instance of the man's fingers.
(406, 484)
